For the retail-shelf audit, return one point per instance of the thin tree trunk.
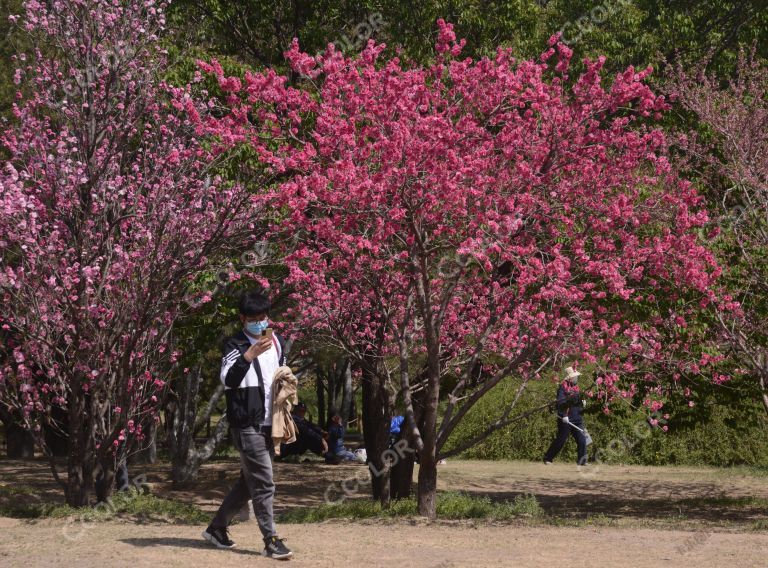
(182, 423)
(80, 458)
(347, 395)
(402, 473)
(427, 488)
(20, 443)
(148, 452)
(376, 420)
(320, 398)
(186, 470)
(764, 388)
(401, 482)
(105, 482)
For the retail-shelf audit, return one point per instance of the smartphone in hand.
(267, 333)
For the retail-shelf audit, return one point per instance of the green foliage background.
(725, 427)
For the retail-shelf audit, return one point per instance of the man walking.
(250, 360)
(569, 419)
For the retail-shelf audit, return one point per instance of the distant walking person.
(569, 420)
(250, 360)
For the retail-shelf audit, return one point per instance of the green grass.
(132, 504)
(736, 502)
(598, 520)
(15, 490)
(225, 452)
(451, 505)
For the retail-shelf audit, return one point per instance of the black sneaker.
(218, 537)
(274, 548)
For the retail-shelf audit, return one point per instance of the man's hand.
(325, 447)
(262, 345)
(565, 420)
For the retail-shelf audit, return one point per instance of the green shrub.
(719, 430)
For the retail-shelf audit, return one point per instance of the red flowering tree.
(734, 157)
(110, 204)
(472, 220)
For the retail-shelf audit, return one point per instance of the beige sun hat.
(572, 373)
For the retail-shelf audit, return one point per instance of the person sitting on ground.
(569, 420)
(309, 436)
(337, 452)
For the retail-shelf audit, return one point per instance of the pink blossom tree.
(474, 220)
(110, 205)
(734, 160)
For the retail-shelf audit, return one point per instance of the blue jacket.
(336, 439)
(395, 425)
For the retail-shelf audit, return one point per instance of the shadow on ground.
(181, 543)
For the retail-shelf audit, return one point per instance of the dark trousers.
(302, 444)
(561, 438)
(255, 482)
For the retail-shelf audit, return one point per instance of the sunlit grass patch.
(451, 505)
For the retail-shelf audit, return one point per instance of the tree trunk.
(320, 399)
(376, 420)
(55, 437)
(428, 479)
(764, 389)
(186, 470)
(427, 491)
(402, 473)
(80, 457)
(401, 482)
(347, 395)
(20, 441)
(105, 481)
(147, 452)
(182, 422)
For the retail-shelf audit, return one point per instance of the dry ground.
(604, 516)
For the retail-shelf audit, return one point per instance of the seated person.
(337, 451)
(308, 437)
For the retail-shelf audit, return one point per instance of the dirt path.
(601, 517)
(342, 544)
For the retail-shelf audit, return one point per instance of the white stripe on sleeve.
(226, 363)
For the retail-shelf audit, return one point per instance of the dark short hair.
(254, 303)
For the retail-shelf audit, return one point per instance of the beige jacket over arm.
(284, 397)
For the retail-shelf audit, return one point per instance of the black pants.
(303, 444)
(561, 438)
